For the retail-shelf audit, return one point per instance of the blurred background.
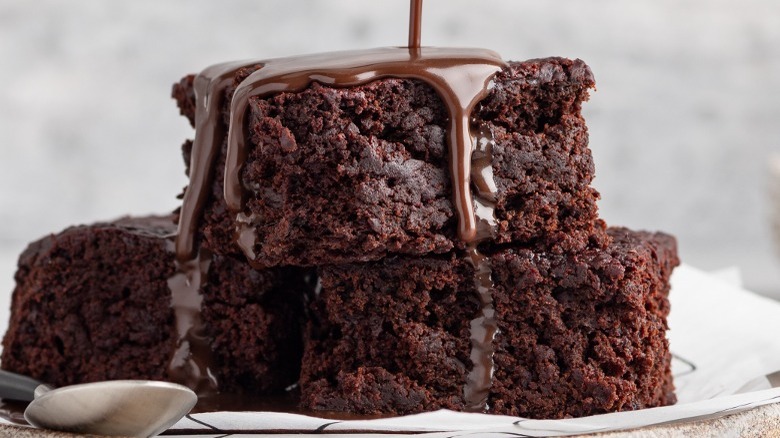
(682, 126)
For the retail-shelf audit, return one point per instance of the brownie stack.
(351, 185)
(354, 182)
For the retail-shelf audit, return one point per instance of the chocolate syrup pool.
(13, 411)
(461, 78)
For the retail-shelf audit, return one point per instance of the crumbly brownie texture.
(92, 303)
(356, 174)
(579, 334)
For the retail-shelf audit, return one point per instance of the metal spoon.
(137, 408)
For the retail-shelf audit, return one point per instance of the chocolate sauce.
(209, 86)
(13, 411)
(415, 23)
(191, 361)
(288, 402)
(484, 327)
(461, 77)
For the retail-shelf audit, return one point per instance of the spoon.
(136, 408)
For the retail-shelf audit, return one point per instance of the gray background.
(686, 115)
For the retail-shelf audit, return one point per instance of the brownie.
(578, 334)
(92, 303)
(344, 175)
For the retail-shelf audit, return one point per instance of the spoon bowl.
(137, 408)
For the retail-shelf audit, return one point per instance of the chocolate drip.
(484, 327)
(209, 86)
(484, 185)
(191, 361)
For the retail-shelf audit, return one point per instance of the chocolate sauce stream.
(209, 86)
(191, 361)
(287, 402)
(484, 327)
(415, 23)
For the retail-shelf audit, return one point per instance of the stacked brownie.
(354, 181)
(351, 184)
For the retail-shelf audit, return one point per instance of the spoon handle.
(17, 387)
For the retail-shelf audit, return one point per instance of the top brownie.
(342, 175)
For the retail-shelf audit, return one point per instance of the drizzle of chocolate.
(209, 87)
(286, 402)
(191, 361)
(13, 411)
(484, 327)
